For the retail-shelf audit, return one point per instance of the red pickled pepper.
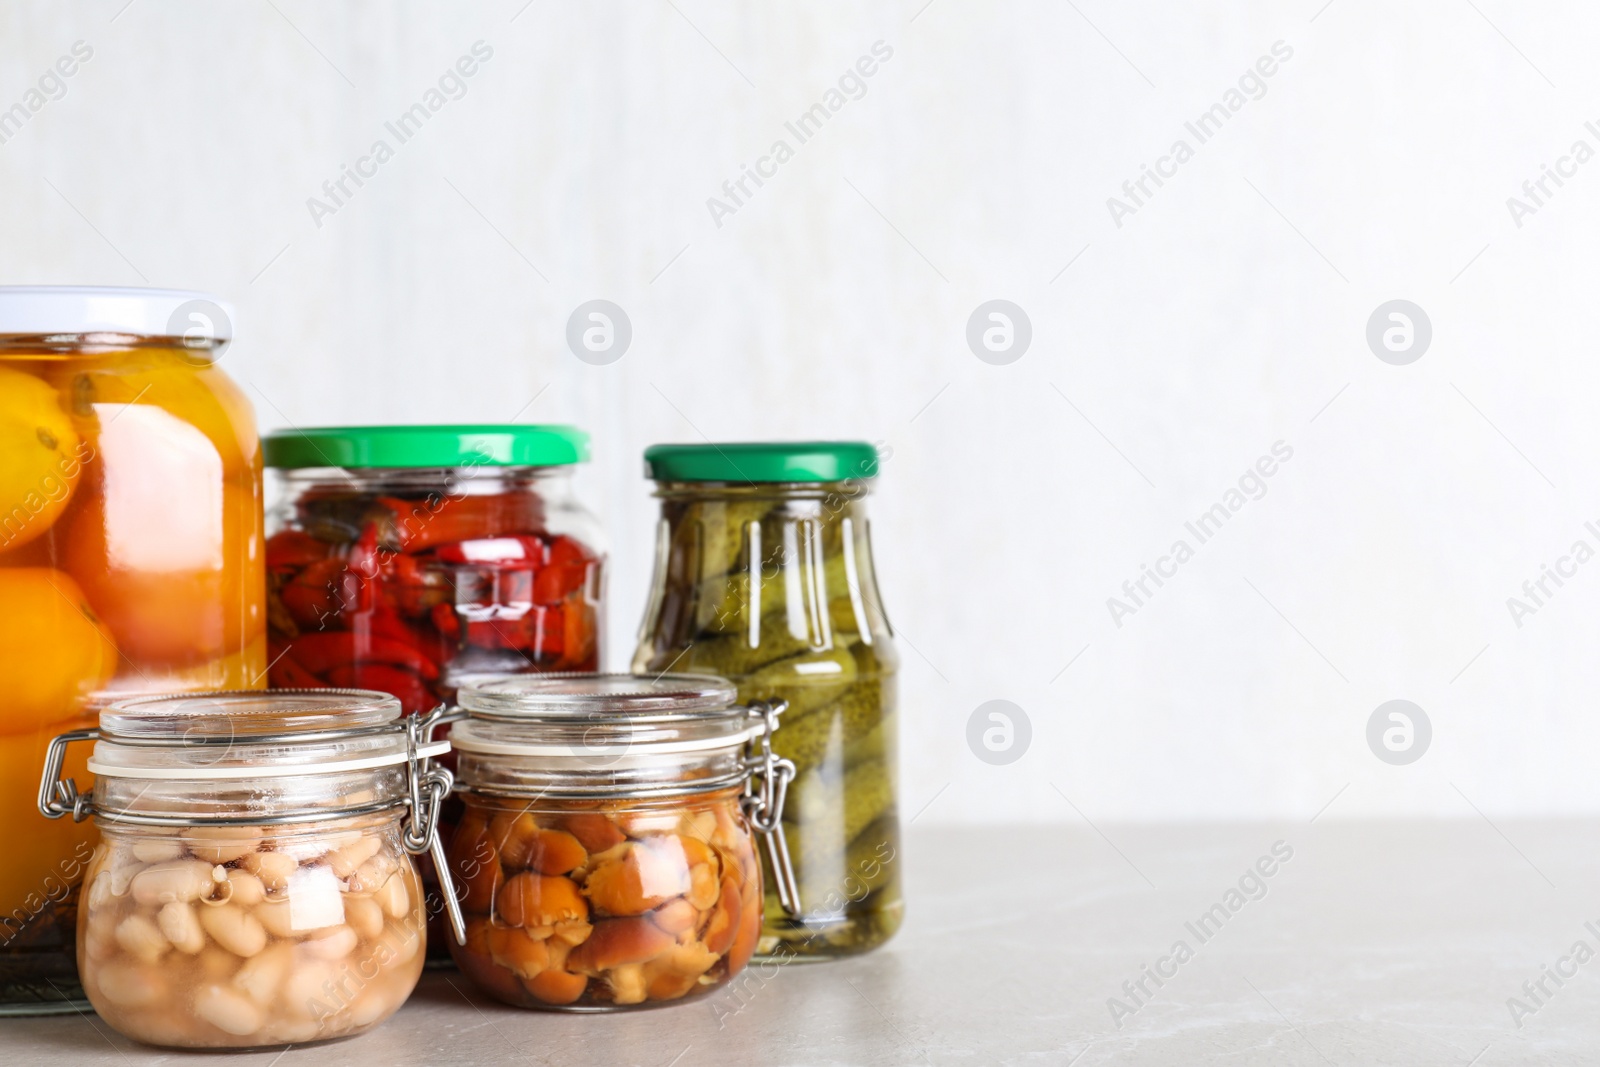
(416, 527)
(414, 696)
(321, 652)
(291, 549)
(382, 611)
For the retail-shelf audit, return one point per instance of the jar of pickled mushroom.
(404, 557)
(606, 856)
(130, 561)
(764, 575)
(253, 884)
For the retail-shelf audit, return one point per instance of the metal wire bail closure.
(764, 794)
(57, 797)
(427, 786)
(430, 785)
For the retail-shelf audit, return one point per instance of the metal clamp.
(763, 805)
(429, 786)
(57, 797)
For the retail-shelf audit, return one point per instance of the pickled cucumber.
(843, 804)
(870, 860)
(725, 601)
(712, 532)
(852, 723)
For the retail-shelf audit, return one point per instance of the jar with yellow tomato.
(131, 561)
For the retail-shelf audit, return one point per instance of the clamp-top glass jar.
(605, 857)
(764, 575)
(254, 883)
(130, 561)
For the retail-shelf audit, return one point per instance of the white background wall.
(1227, 314)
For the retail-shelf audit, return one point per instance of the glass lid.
(561, 696)
(252, 733)
(601, 734)
(243, 714)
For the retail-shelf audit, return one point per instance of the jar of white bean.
(253, 884)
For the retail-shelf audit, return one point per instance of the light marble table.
(1374, 943)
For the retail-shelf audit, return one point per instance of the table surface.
(1392, 943)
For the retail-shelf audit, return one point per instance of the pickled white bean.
(217, 963)
(273, 868)
(292, 1031)
(309, 849)
(181, 926)
(235, 929)
(130, 985)
(99, 895)
(405, 943)
(141, 937)
(304, 995)
(276, 917)
(372, 1004)
(346, 860)
(221, 844)
(365, 916)
(99, 939)
(247, 888)
(263, 975)
(231, 1012)
(174, 880)
(200, 949)
(122, 876)
(157, 849)
(332, 944)
(393, 897)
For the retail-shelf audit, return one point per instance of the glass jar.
(764, 575)
(402, 558)
(130, 561)
(407, 558)
(253, 885)
(605, 858)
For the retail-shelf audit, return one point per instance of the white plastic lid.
(198, 317)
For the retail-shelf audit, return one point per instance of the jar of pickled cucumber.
(607, 858)
(764, 575)
(130, 561)
(253, 884)
(402, 558)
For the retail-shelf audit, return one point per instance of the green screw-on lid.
(762, 461)
(426, 446)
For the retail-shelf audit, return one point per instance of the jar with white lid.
(253, 884)
(606, 856)
(131, 561)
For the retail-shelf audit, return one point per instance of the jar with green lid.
(764, 575)
(408, 558)
(402, 558)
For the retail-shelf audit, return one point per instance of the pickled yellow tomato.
(41, 457)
